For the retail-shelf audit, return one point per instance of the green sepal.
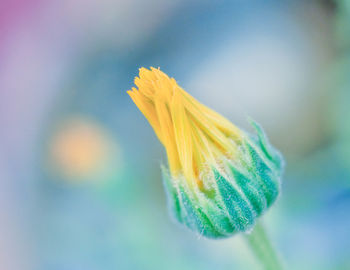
(220, 219)
(241, 213)
(194, 216)
(271, 153)
(251, 189)
(264, 176)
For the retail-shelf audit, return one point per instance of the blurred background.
(79, 165)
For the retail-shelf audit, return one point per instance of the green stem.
(263, 249)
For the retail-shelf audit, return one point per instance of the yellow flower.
(192, 134)
(214, 184)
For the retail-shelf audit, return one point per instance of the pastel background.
(79, 165)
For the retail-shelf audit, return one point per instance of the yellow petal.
(193, 135)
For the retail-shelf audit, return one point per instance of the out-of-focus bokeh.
(79, 165)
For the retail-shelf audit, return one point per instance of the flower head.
(220, 179)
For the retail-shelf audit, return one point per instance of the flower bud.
(220, 178)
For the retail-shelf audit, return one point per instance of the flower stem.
(263, 249)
